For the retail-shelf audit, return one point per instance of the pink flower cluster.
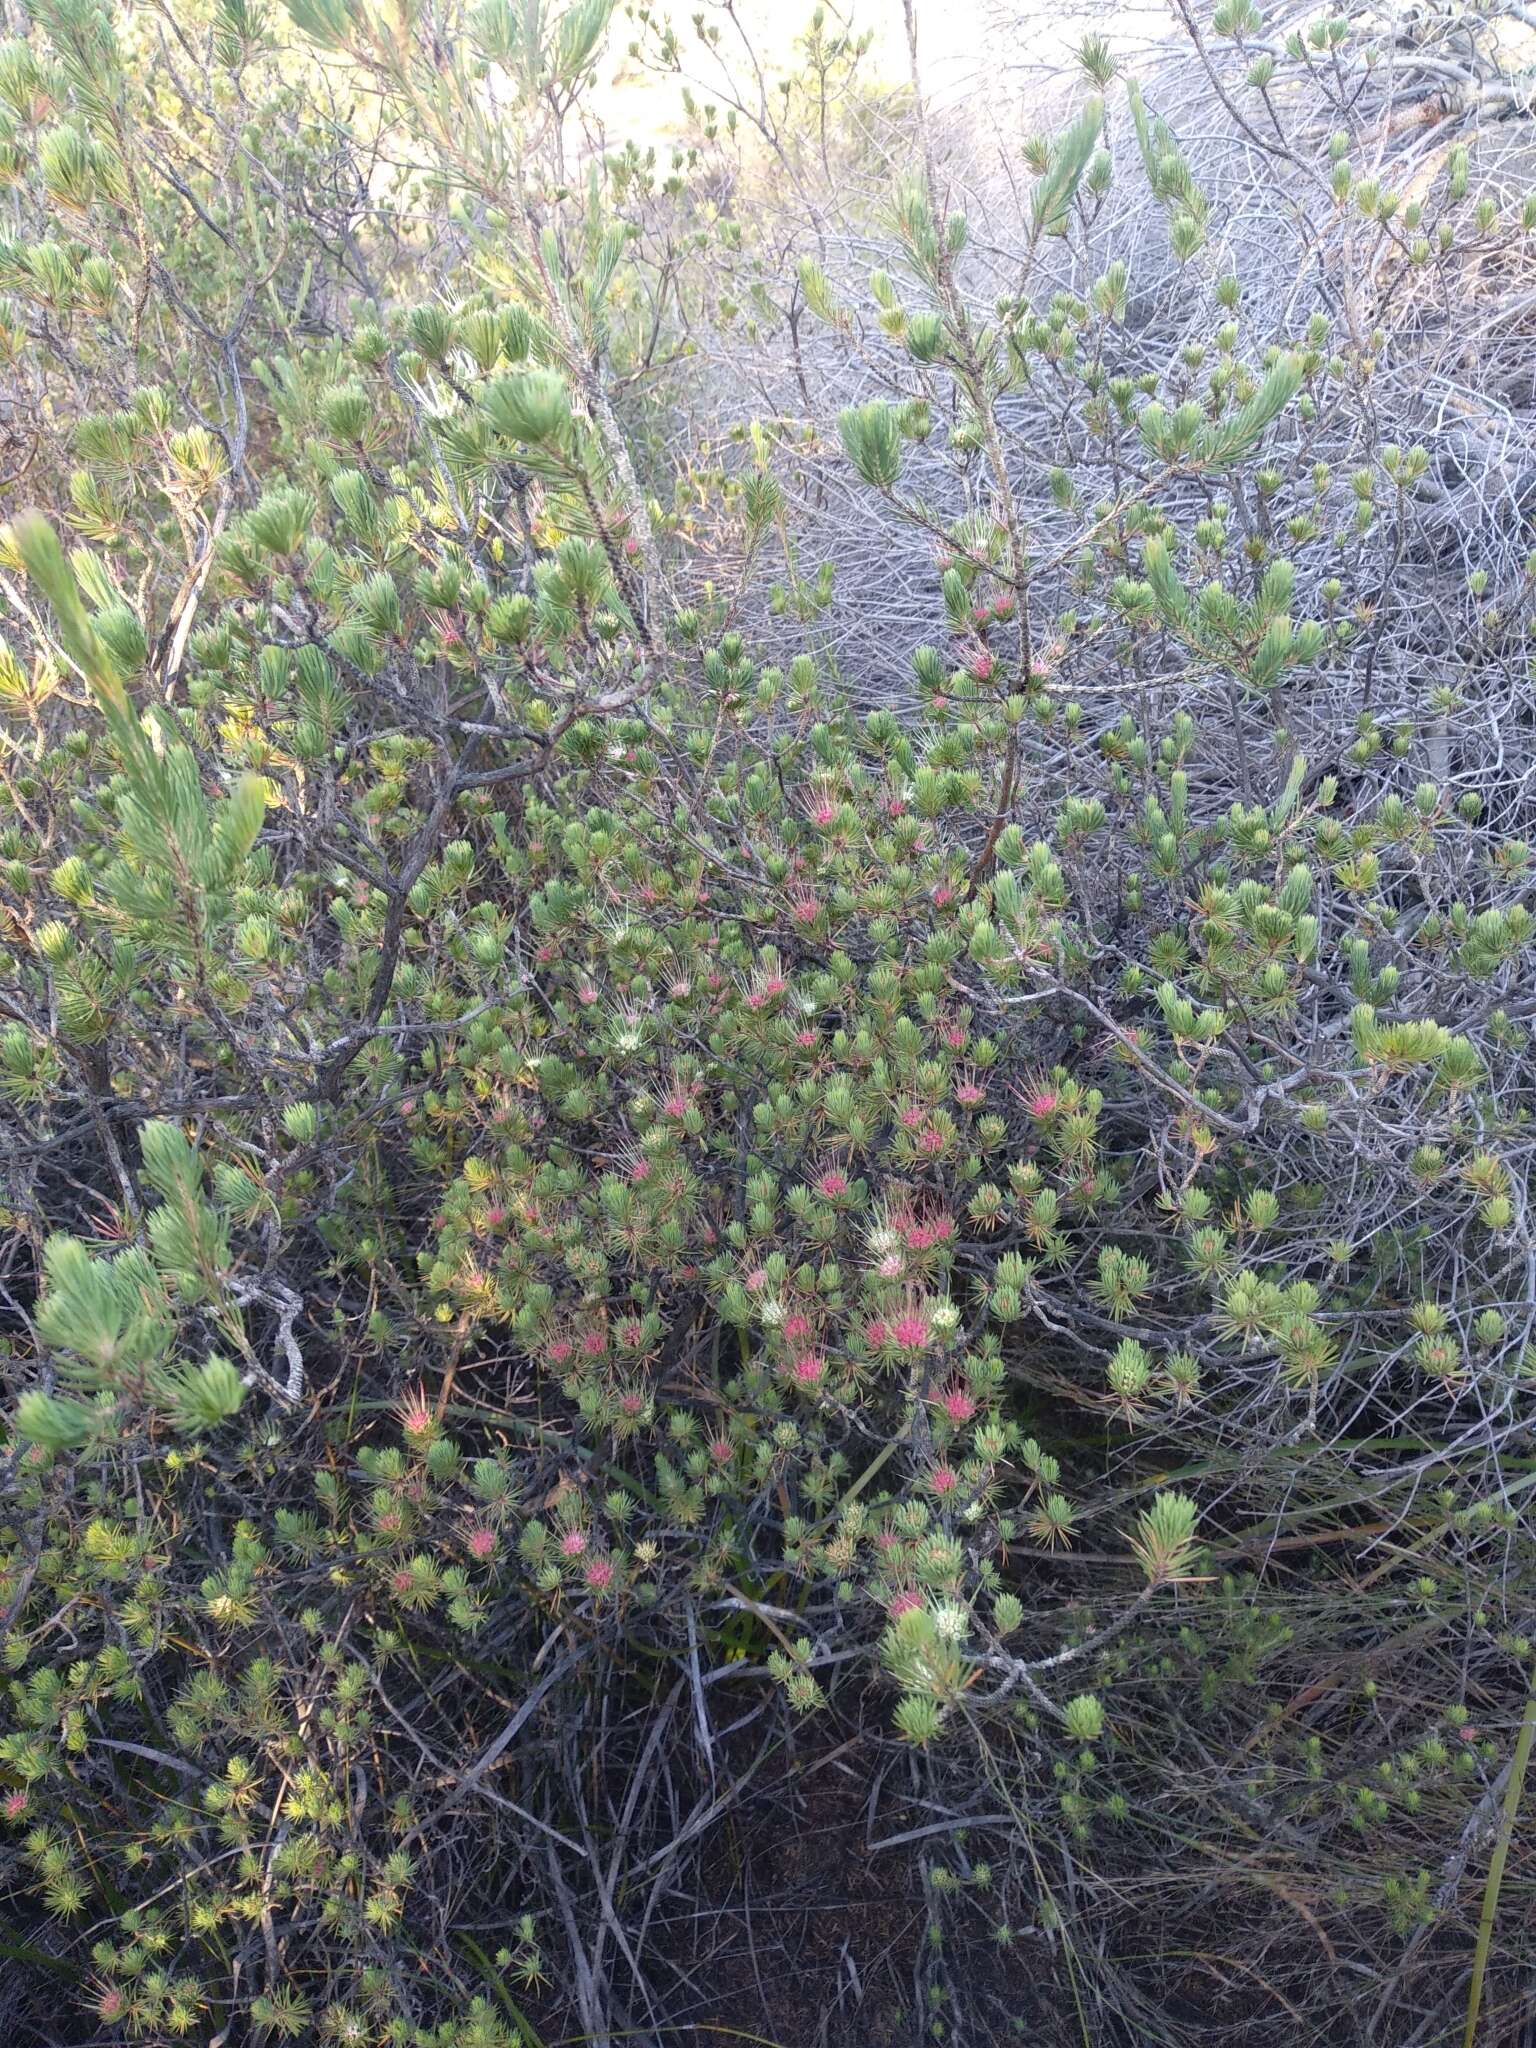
(906, 1332)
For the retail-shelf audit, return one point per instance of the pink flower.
(757, 1280)
(594, 1344)
(495, 1216)
(400, 1583)
(1043, 1102)
(876, 1333)
(910, 1331)
(599, 1574)
(943, 1479)
(573, 1543)
(805, 909)
(823, 813)
(943, 894)
(808, 1370)
(481, 1543)
(911, 1119)
(982, 666)
(969, 1096)
(415, 1413)
(797, 1328)
(560, 1351)
(720, 1448)
(640, 1171)
(931, 1141)
(586, 993)
(957, 1405)
(631, 1331)
(904, 1603)
(676, 1105)
(805, 1038)
(632, 1405)
(832, 1184)
(15, 1805)
(889, 1267)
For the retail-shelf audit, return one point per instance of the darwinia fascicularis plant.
(764, 1008)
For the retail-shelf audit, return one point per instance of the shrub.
(620, 1170)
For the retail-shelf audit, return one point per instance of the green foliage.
(871, 437)
(655, 1136)
(1051, 200)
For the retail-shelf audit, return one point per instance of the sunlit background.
(977, 53)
